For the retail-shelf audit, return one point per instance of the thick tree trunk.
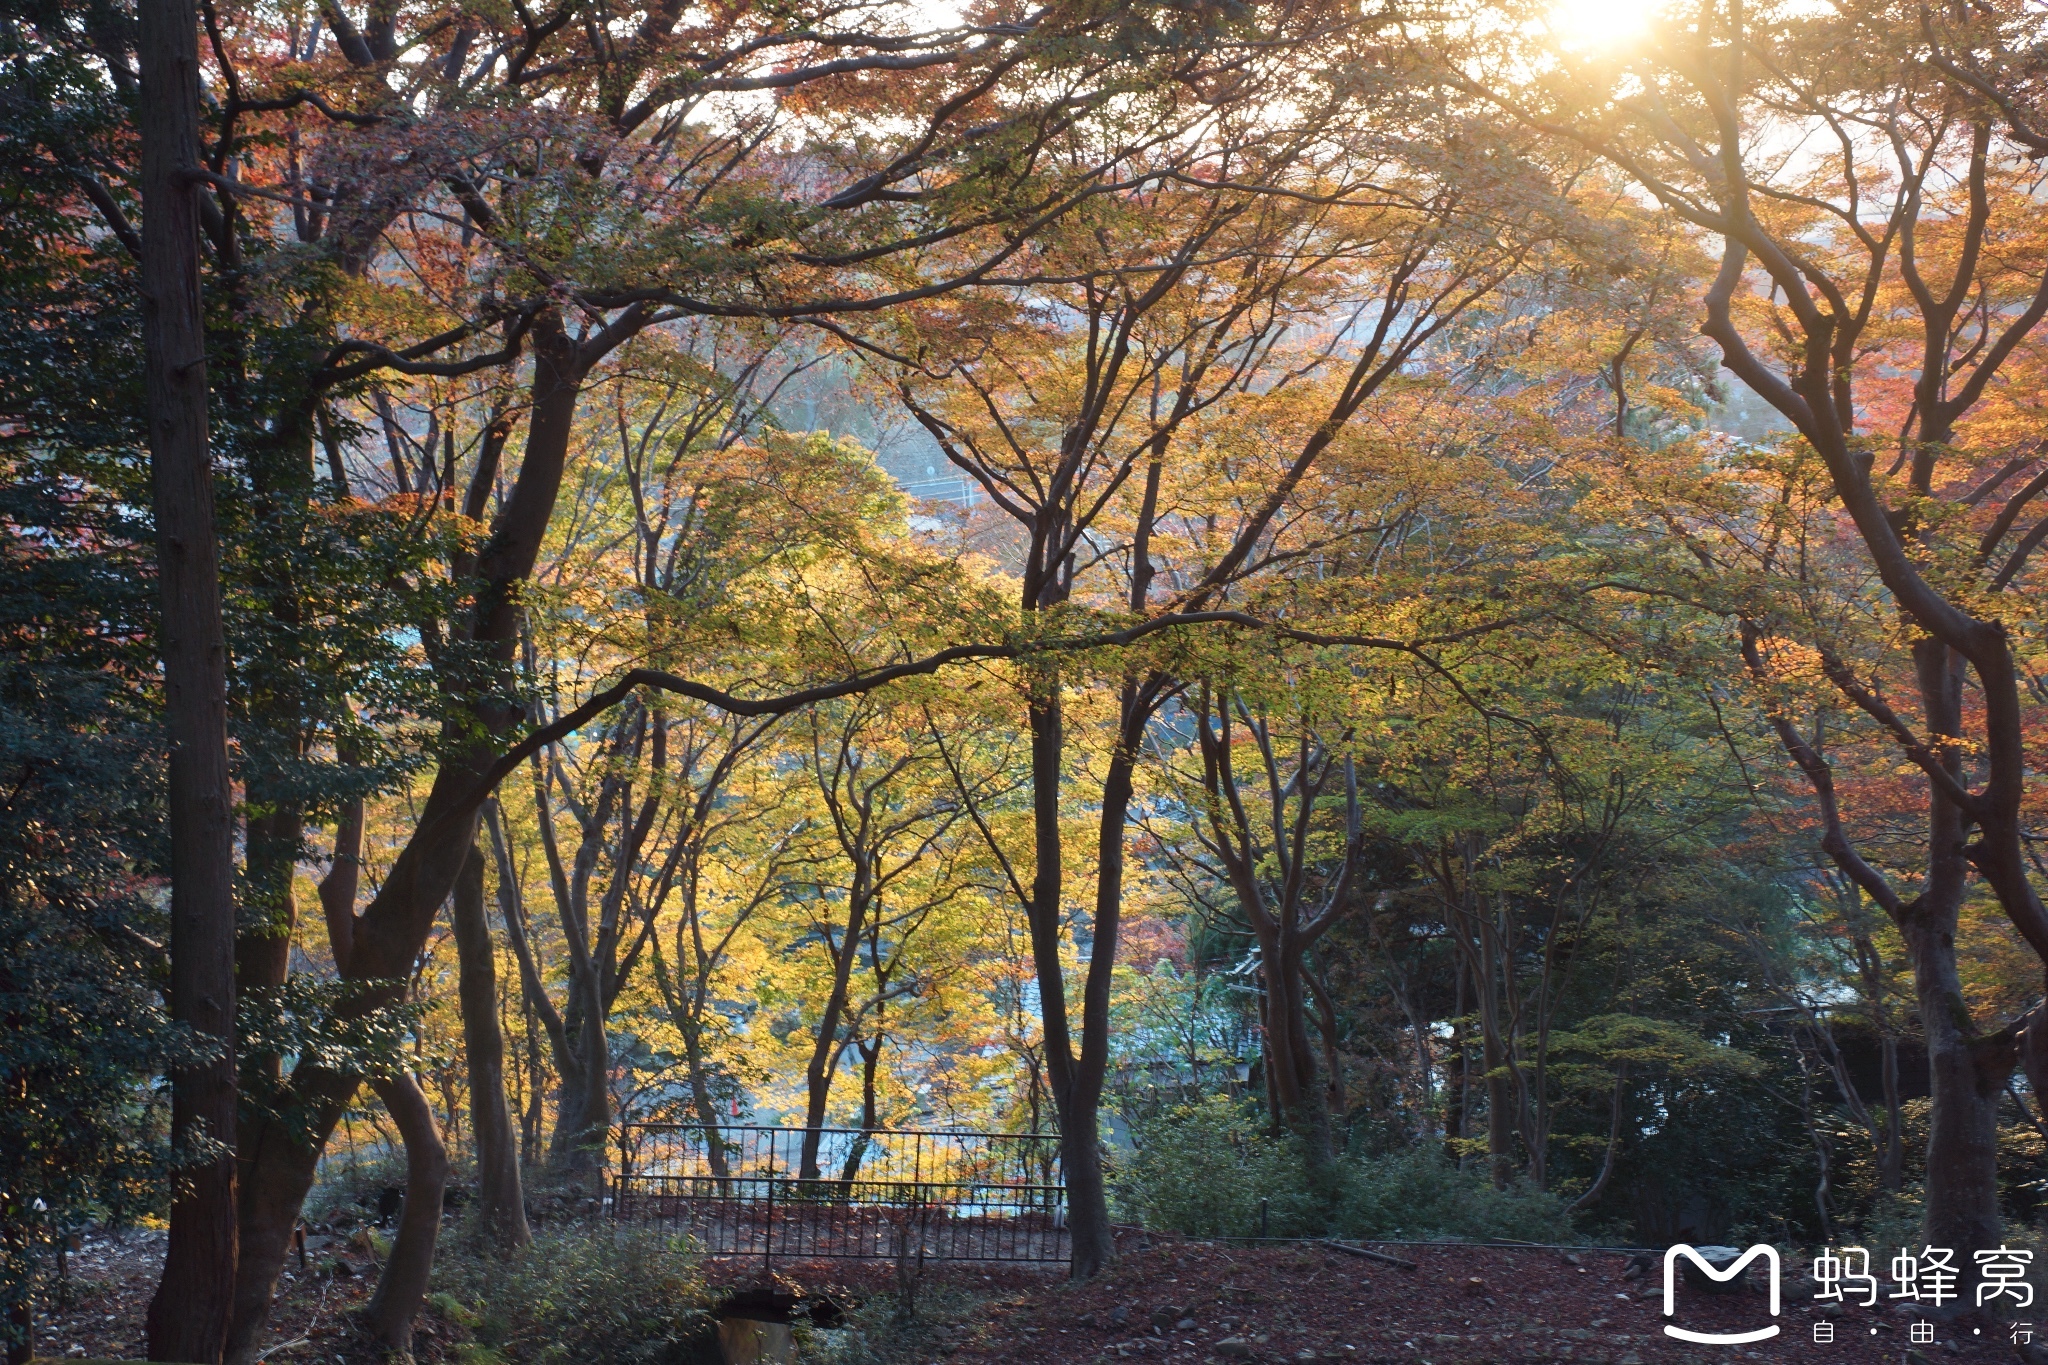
(1967, 1073)
(1298, 1085)
(576, 1152)
(388, 935)
(500, 1201)
(1968, 1077)
(188, 1318)
(1091, 1242)
(278, 1164)
(402, 1288)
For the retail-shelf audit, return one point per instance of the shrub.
(1894, 1220)
(622, 1296)
(1205, 1168)
(1419, 1194)
(1202, 1170)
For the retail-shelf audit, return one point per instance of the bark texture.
(188, 1318)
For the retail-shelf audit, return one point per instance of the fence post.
(768, 1236)
(619, 1183)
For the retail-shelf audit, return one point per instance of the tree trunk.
(188, 1318)
(818, 1075)
(501, 1203)
(537, 1010)
(1458, 1118)
(388, 935)
(1300, 1093)
(576, 1152)
(701, 1097)
(271, 856)
(1076, 1079)
(1967, 1073)
(1892, 1159)
(403, 1285)
(1500, 1147)
(1614, 1116)
(1325, 1019)
(826, 1046)
(1968, 1077)
(869, 1121)
(278, 1164)
(530, 1117)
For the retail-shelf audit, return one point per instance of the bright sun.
(1600, 23)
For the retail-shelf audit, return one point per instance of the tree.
(82, 1024)
(1082, 430)
(1291, 866)
(501, 1199)
(888, 871)
(188, 1318)
(731, 228)
(1901, 246)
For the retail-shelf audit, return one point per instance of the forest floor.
(1166, 1300)
(1205, 1303)
(101, 1303)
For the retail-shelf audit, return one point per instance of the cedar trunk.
(188, 1318)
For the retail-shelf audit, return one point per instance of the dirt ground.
(1165, 1300)
(1170, 1300)
(101, 1303)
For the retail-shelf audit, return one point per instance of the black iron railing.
(796, 1194)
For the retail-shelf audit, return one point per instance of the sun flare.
(1600, 23)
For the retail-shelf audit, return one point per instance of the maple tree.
(1365, 597)
(1899, 245)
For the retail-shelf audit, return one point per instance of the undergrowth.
(618, 1295)
(1209, 1170)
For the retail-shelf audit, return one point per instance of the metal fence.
(754, 1191)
